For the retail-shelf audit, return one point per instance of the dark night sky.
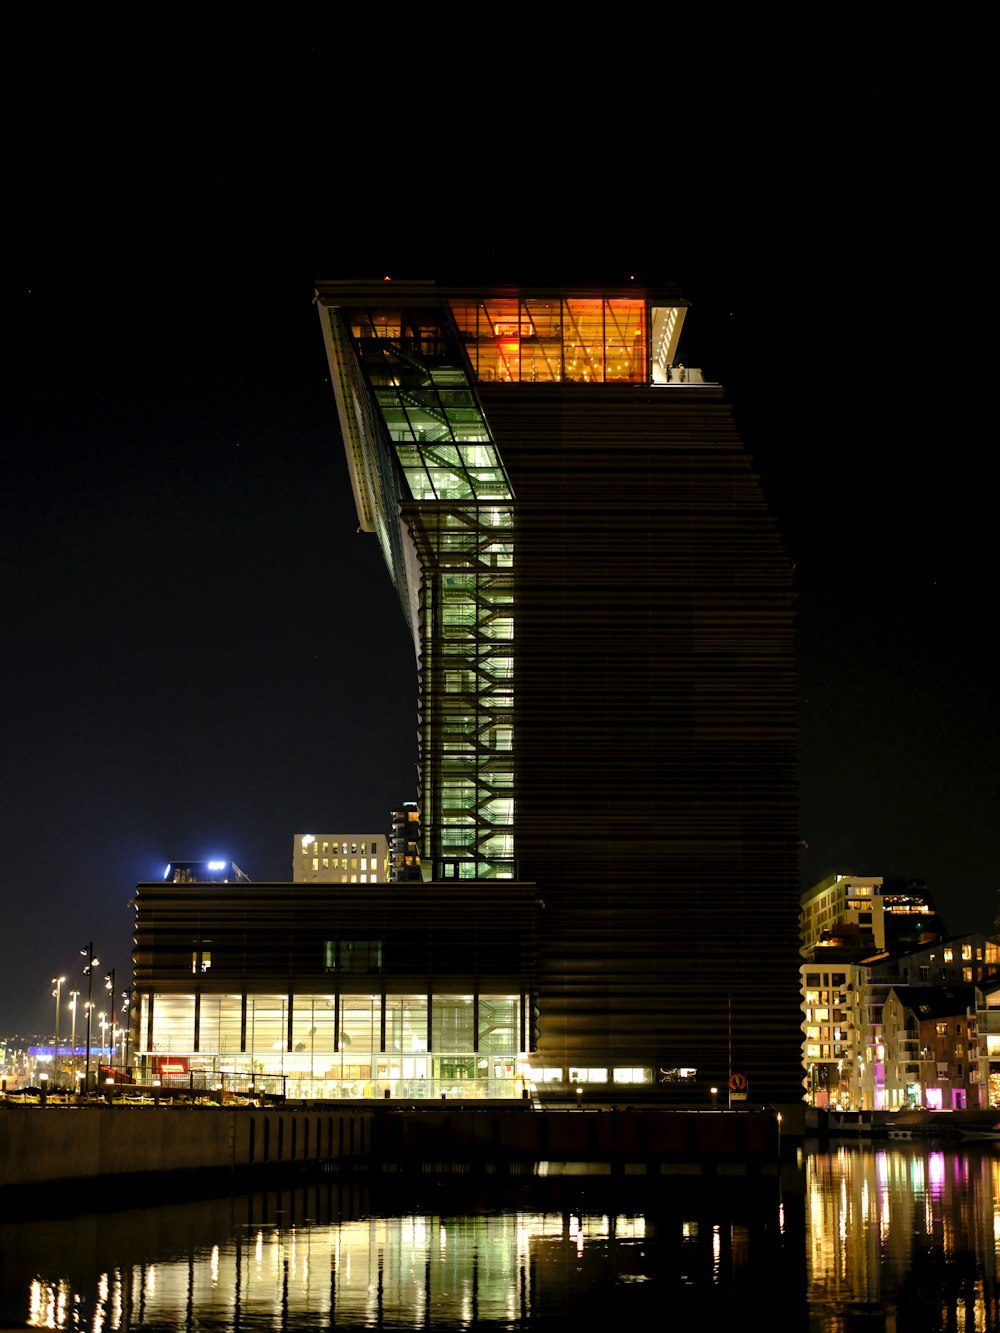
(201, 656)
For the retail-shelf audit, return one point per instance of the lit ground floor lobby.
(336, 1047)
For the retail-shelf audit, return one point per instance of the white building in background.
(855, 930)
(340, 858)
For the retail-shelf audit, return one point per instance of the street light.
(57, 982)
(73, 997)
(103, 1025)
(88, 971)
(126, 1027)
(109, 986)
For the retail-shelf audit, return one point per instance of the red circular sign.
(738, 1082)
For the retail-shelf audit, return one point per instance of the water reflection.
(908, 1234)
(855, 1237)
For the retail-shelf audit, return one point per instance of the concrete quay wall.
(109, 1143)
(45, 1145)
(612, 1136)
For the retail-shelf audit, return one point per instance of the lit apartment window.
(966, 952)
(595, 1075)
(315, 863)
(326, 863)
(948, 955)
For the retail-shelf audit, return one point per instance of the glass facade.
(335, 1047)
(456, 502)
(595, 340)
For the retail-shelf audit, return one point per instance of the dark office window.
(353, 956)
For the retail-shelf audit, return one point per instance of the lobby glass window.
(230, 1016)
(498, 1023)
(208, 1023)
(173, 1023)
(406, 1024)
(451, 1024)
(623, 1074)
(267, 1024)
(360, 1025)
(313, 1025)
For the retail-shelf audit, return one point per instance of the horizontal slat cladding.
(273, 936)
(654, 730)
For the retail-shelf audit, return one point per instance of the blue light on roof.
(216, 865)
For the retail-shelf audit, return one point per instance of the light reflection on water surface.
(857, 1237)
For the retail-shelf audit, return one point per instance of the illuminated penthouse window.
(590, 340)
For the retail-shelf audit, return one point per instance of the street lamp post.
(57, 982)
(73, 997)
(92, 962)
(109, 986)
(127, 1025)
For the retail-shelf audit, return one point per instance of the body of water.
(860, 1236)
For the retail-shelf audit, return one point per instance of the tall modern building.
(602, 614)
